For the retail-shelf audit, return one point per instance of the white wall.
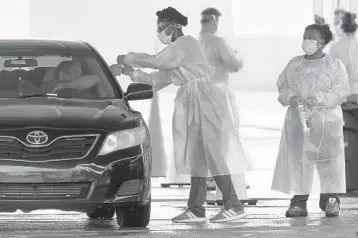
(113, 26)
(120, 26)
(14, 19)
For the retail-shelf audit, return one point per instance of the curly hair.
(349, 24)
(171, 14)
(324, 30)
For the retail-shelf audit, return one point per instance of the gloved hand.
(120, 59)
(310, 102)
(116, 69)
(127, 70)
(294, 101)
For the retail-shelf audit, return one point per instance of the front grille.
(62, 148)
(44, 190)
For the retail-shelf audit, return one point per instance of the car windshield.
(32, 73)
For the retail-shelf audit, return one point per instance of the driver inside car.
(71, 76)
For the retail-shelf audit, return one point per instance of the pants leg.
(197, 196)
(239, 183)
(300, 201)
(230, 198)
(324, 199)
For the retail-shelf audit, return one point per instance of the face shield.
(210, 23)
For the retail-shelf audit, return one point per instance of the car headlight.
(123, 139)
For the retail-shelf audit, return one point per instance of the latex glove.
(294, 101)
(127, 70)
(116, 69)
(311, 102)
(120, 59)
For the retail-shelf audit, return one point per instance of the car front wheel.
(135, 216)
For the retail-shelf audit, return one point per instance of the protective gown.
(226, 61)
(205, 120)
(325, 79)
(346, 50)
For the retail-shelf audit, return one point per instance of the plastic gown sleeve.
(285, 92)
(340, 88)
(232, 60)
(159, 79)
(169, 58)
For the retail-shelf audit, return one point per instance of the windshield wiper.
(38, 95)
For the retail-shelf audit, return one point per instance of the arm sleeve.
(169, 58)
(159, 79)
(339, 90)
(285, 92)
(84, 82)
(232, 61)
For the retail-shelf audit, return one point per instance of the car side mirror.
(139, 91)
(116, 69)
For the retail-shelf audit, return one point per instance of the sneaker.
(332, 208)
(188, 217)
(228, 215)
(296, 211)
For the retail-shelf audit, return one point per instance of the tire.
(102, 213)
(137, 216)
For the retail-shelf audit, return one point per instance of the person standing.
(225, 61)
(313, 86)
(346, 50)
(205, 134)
(337, 22)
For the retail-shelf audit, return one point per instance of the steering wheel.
(70, 92)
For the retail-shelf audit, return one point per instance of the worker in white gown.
(346, 50)
(205, 130)
(226, 61)
(337, 22)
(312, 135)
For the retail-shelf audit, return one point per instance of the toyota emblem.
(37, 137)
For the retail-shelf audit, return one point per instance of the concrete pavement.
(266, 219)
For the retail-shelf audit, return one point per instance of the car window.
(70, 76)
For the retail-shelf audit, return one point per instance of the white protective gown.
(220, 55)
(226, 61)
(205, 129)
(346, 50)
(325, 79)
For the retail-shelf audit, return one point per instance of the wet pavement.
(266, 219)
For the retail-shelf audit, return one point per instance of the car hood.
(65, 113)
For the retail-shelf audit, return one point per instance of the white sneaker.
(188, 217)
(228, 215)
